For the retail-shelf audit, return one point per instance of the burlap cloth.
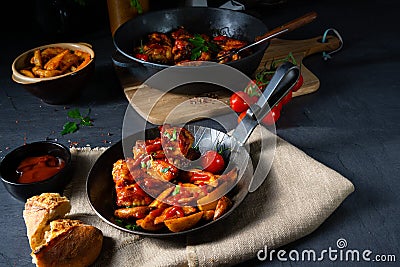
(297, 197)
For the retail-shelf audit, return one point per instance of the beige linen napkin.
(297, 197)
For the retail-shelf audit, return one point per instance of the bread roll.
(39, 211)
(69, 243)
(58, 241)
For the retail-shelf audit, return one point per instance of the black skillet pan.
(210, 21)
(100, 185)
(197, 20)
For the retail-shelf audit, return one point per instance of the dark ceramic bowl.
(61, 89)
(55, 183)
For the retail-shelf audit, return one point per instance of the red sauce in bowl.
(36, 169)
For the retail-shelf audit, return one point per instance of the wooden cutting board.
(156, 106)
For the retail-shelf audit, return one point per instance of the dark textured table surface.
(351, 124)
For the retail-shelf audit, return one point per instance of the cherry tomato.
(298, 84)
(220, 38)
(272, 116)
(141, 56)
(175, 211)
(212, 161)
(239, 101)
(253, 99)
(200, 176)
(241, 116)
(286, 99)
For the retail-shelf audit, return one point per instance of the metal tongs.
(288, 27)
(283, 80)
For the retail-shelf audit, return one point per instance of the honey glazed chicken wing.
(159, 38)
(162, 170)
(181, 34)
(176, 142)
(159, 53)
(128, 192)
(182, 50)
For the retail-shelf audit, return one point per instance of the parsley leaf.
(73, 126)
(128, 226)
(165, 170)
(176, 190)
(74, 114)
(69, 127)
(201, 45)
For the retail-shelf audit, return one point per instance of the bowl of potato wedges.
(55, 73)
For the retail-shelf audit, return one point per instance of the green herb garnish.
(149, 163)
(136, 4)
(142, 165)
(73, 126)
(129, 226)
(164, 170)
(173, 138)
(265, 75)
(176, 190)
(166, 134)
(201, 45)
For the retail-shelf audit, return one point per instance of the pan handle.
(283, 80)
(289, 26)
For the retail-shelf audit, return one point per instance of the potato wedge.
(159, 200)
(135, 212)
(147, 223)
(209, 202)
(183, 223)
(208, 215)
(223, 205)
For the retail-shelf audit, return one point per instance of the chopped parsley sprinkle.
(164, 170)
(176, 190)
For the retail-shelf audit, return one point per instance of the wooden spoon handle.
(290, 26)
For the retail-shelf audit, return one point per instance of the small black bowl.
(23, 191)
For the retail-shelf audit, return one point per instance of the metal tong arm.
(283, 80)
(279, 86)
(287, 27)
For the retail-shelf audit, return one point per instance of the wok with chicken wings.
(180, 45)
(188, 30)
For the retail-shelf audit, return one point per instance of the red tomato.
(286, 99)
(239, 101)
(220, 38)
(253, 99)
(212, 161)
(298, 84)
(175, 211)
(241, 116)
(272, 116)
(143, 57)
